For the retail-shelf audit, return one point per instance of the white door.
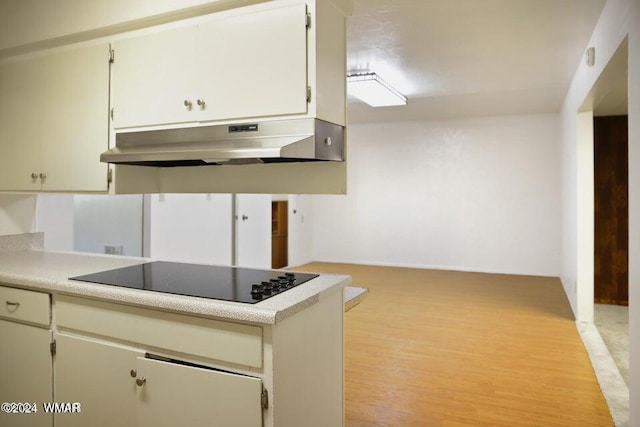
(101, 377)
(253, 230)
(172, 394)
(74, 115)
(153, 78)
(300, 249)
(54, 121)
(21, 135)
(253, 64)
(25, 372)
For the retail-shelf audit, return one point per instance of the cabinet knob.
(200, 102)
(140, 381)
(187, 103)
(43, 176)
(133, 373)
(34, 176)
(244, 217)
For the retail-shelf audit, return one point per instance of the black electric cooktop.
(244, 285)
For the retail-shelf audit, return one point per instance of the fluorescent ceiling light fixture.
(370, 88)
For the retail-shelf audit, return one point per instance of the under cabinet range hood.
(273, 141)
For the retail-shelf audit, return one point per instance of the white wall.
(191, 228)
(577, 164)
(102, 220)
(620, 18)
(585, 215)
(17, 214)
(478, 194)
(55, 217)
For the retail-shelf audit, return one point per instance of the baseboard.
(435, 267)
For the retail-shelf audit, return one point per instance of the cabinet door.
(253, 64)
(180, 395)
(25, 372)
(98, 376)
(21, 132)
(153, 76)
(54, 113)
(73, 119)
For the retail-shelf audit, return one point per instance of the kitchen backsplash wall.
(54, 218)
(21, 242)
(17, 213)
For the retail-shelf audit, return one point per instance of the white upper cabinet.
(248, 62)
(154, 78)
(254, 64)
(54, 123)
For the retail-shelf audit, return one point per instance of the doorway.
(609, 104)
(279, 234)
(611, 210)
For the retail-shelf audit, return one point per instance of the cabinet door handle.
(34, 176)
(187, 103)
(133, 373)
(12, 306)
(141, 381)
(244, 217)
(200, 102)
(43, 176)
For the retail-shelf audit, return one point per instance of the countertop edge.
(270, 314)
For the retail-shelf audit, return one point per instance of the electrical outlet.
(113, 249)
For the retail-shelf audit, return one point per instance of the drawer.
(25, 306)
(213, 339)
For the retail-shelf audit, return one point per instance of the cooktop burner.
(245, 285)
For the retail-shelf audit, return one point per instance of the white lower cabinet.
(98, 377)
(25, 357)
(25, 373)
(172, 394)
(121, 386)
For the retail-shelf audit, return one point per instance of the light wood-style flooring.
(442, 348)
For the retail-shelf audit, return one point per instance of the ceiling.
(456, 58)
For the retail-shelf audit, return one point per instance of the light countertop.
(24, 264)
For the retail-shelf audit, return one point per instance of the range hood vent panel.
(258, 142)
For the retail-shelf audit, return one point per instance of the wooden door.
(176, 394)
(25, 372)
(611, 257)
(279, 234)
(98, 376)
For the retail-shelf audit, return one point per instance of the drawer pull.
(12, 306)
